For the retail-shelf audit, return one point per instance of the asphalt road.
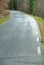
(20, 41)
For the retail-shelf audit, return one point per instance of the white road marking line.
(38, 51)
(37, 38)
(36, 32)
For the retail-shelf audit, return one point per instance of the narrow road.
(20, 41)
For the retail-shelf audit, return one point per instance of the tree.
(3, 7)
(13, 5)
(32, 6)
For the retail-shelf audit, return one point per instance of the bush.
(32, 4)
(13, 5)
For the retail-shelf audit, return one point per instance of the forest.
(35, 7)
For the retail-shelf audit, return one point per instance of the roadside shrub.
(32, 4)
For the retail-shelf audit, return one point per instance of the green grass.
(40, 22)
(4, 19)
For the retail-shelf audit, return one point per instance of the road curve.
(20, 41)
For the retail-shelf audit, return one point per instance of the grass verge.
(40, 22)
(4, 19)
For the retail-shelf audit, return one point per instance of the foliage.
(32, 4)
(4, 19)
(13, 5)
(3, 7)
